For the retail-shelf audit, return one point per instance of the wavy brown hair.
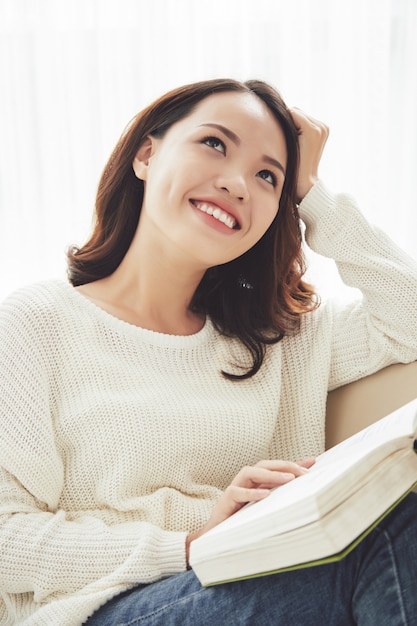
(258, 297)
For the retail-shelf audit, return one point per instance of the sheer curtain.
(73, 73)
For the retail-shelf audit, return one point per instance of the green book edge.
(328, 559)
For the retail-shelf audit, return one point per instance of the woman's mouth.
(216, 212)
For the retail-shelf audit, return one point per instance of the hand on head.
(313, 135)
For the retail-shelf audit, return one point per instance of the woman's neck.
(154, 294)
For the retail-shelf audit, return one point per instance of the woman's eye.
(215, 143)
(268, 176)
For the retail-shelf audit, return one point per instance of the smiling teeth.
(217, 213)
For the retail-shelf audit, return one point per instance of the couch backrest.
(361, 403)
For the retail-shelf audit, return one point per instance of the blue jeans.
(375, 585)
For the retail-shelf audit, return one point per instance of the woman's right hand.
(251, 484)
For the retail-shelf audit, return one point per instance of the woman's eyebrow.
(274, 162)
(229, 133)
(233, 137)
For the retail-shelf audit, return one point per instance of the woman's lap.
(375, 584)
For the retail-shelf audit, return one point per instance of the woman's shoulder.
(40, 296)
(35, 310)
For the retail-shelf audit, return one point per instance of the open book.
(320, 516)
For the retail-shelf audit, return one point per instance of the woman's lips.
(217, 212)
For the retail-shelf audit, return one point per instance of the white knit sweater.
(116, 441)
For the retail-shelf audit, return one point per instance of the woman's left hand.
(312, 137)
(251, 484)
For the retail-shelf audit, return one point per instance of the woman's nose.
(235, 184)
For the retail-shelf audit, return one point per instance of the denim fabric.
(376, 585)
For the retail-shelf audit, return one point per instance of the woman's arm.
(46, 554)
(380, 328)
(45, 550)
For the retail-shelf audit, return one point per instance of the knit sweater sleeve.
(43, 552)
(379, 328)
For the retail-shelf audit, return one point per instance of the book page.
(360, 451)
(400, 423)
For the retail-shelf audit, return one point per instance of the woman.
(186, 347)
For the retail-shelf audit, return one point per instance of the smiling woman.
(242, 224)
(183, 371)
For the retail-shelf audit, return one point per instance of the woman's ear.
(141, 160)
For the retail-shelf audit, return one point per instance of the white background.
(73, 73)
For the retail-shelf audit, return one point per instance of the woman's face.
(214, 180)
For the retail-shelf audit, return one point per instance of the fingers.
(237, 495)
(274, 468)
(308, 124)
(308, 462)
(254, 483)
(313, 135)
(267, 475)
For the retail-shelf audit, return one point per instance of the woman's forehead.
(229, 104)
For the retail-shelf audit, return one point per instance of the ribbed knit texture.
(116, 441)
